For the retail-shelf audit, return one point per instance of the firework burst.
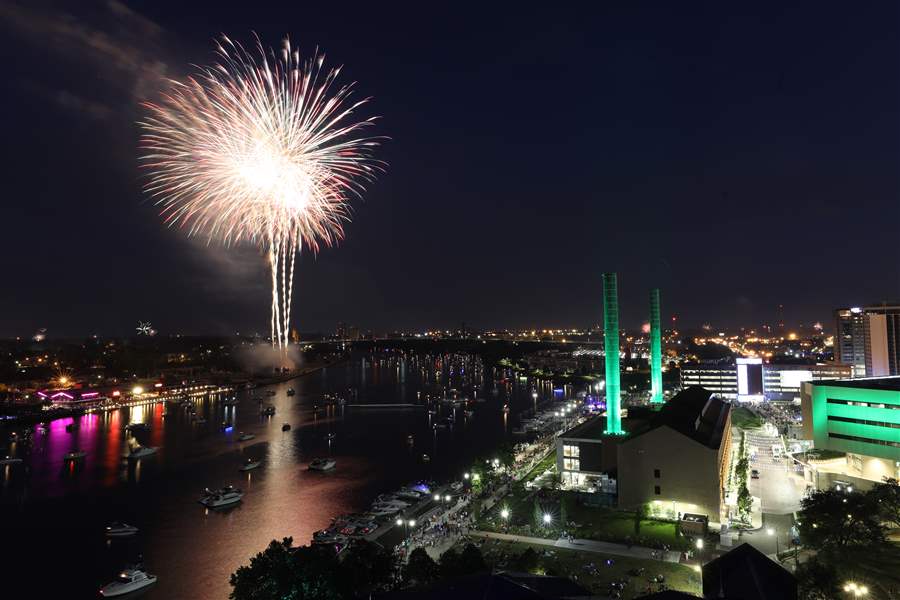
(262, 147)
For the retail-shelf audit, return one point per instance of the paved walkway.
(585, 546)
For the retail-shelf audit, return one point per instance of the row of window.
(571, 464)
(856, 438)
(571, 451)
(864, 422)
(866, 404)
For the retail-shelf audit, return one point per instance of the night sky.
(737, 160)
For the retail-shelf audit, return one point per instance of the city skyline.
(690, 154)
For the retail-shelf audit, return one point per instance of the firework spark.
(260, 148)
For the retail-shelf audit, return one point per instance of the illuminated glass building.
(751, 380)
(859, 418)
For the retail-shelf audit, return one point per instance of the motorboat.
(10, 461)
(229, 402)
(286, 427)
(225, 496)
(385, 511)
(410, 439)
(117, 529)
(406, 494)
(331, 436)
(138, 427)
(268, 411)
(74, 455)
(250, 465)
(291, 392)
(426, 458)
(139, 452)
(244, 437)
(129, 580)
(322, 464)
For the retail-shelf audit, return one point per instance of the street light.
(437, 497)
(699, 543)
(465, 475)
(447, 498)
(547, 518)
(857, 590)
(504, 514)
(771, 531)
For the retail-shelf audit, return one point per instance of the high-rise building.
(611, 353)
(882, 340)
(868, 339)
(850, 339)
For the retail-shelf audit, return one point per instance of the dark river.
(53, 517)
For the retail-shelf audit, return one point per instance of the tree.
(639, 515)
(281, 572)
(527, 561)
(420, 568)
(365, 567)
(744, 500)
(449, 564)
(834, 522)
(887, 498)
(471, 560)
(817, 580)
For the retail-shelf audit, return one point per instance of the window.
(571, 451)
(656, 473)
(571, 464)
(656, 490)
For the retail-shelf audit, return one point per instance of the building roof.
(496, 586)
(693, 412)
(745, 573)
(591, 429)
(870, 383)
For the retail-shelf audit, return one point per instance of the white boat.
(322, 464)
(386, 511)
(10, 461)
(250, 465)
(245, 437)
(230, 402)
(120, 530)
(129, 580)
(291, 392)
(268, 411)
(74, 455)
(226, 496)
(139, 452)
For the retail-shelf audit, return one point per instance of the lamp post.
(504, 514)
(857, 590)
(772, 532)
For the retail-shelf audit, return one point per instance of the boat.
(69, 429)
(117, 529)
(74, 455)
(129, 580)
(10, 461)
(139, 452)
(286, 427)
(229, 401)
(200, 421)
(268, 411)
(469, 413)
(250, 465)
(138, 427)
(322, 464)
(410, 439)
(270, 392)
(426, 458)
(291, 392)
(331, 436)
(245, 437)
(407, 494)
(226, 496)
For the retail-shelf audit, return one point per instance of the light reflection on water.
(193, 550)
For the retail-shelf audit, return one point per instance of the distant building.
(745, 573)
(749, 379)
(850, 339)
(677, 460)
(868, 338)
(859, 418)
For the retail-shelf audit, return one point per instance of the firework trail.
(260, 148)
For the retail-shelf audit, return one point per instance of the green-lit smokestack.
(611, 347)
(656, 394)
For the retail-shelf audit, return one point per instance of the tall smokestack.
(656, 388)
(611, 349)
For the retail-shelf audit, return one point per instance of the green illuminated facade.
(656, 387)
(859, 416)
(611, 350)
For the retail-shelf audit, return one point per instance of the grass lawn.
(592, 523)
(590, 570)
(542, 466)
(745, 419)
